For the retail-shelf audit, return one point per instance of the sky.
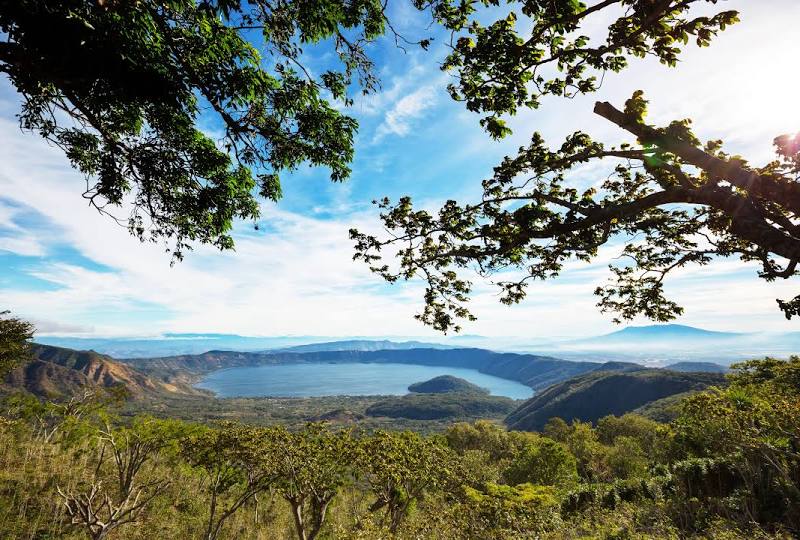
(74, 272)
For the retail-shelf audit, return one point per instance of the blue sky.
(76, 273)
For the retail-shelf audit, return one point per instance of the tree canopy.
(672, 198)
(121, 87)
(15, 336)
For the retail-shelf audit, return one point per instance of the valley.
(368, 387)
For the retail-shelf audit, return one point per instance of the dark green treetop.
(120, 87)
(15, 336)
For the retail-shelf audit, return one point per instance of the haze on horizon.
(73, 272)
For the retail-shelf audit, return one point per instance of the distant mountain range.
(655, 345)
(665, 344)
(661, 332)
(174, 344)
(364, 345)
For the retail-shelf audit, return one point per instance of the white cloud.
(13, 238)
(24, 244)
(400, 118)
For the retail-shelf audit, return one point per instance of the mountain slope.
(57, 372)
(591, 396)
(660, 333)
(708, 367)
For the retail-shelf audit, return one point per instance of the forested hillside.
(727, 467)
(599, 393)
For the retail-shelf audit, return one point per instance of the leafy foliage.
(400, 468)
(752, 429)
(14, 341)
(535, 49)
(119, 86)
(313, 466)
(675, 200)
(544, 462)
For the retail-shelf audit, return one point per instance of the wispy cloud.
(411, 107)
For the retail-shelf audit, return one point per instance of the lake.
(354, 379)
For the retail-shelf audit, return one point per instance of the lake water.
(356, 379)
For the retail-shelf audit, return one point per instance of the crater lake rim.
(345, 379)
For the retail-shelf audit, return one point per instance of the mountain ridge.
(591, 396)
(56, 372)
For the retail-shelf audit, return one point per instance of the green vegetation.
(15, 335)
(444, 384)
(727, 467)
(445, 405)
(599, 393)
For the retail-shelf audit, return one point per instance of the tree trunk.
(319, 518)
(210, 531)
(299, 523)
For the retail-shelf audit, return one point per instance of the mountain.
(363, 345)
(708, 367)
(537, 372)
(660, 333)
(444, 384)
(591, 396)
(175, 344)
(58, 372)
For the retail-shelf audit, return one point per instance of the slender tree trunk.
(210, 531)
(255, 507)
(299, 523)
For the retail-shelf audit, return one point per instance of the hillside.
(444, 384)
(708, 367)
(446, 405)
(590, 397)
(56, 372)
